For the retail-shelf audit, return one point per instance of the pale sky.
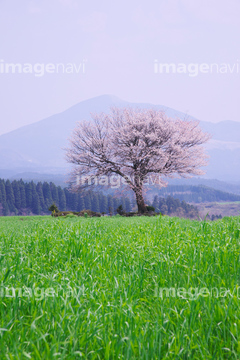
(118, 41)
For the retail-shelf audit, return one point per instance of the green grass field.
(94, 288)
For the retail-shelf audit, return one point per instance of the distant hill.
(194, 194)
(39, 147)
(228, 187)
(61, 179)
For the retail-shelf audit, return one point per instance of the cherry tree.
(134, 144)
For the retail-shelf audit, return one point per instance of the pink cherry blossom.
(136, 143)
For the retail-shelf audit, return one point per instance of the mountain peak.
(41, 144)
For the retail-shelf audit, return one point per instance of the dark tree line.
(25, 198)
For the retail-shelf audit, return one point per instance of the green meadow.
(119, 288)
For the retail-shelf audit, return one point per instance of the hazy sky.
(118, 41)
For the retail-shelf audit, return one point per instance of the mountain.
(232, 188)
(39, 147)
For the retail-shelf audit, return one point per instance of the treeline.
(26, 198)
(171, 206)
(197, 194)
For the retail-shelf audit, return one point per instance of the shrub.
(150, 208)
(89, 213)
(54, 209)
(62, 213)
(128, 214)
(120, 210)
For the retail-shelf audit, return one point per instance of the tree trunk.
(140, 201)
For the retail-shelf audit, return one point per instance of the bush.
(150, 208)
(120, 210)
(54, 209)
(62, 213)
(89, 213)
(129, 214)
